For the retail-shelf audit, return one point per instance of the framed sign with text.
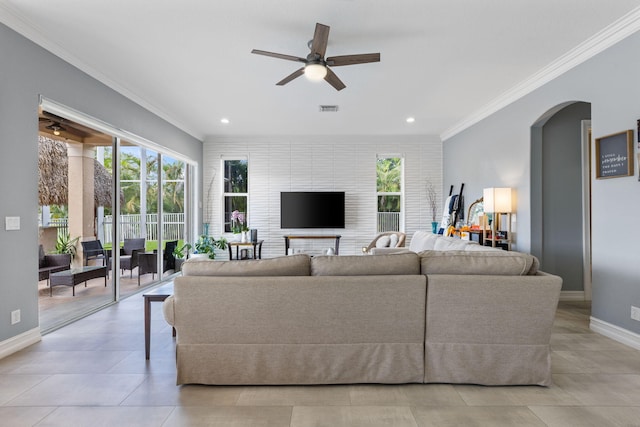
(614, 155)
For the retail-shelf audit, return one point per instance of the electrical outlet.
(15, 317)
(635, 313)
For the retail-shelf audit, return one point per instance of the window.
(236, 189)
(389, 183)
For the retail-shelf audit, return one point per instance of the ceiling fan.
(56, 125)
(316, 67)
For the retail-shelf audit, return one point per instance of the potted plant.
(239, 225)
(65, 245)
(181, 253)
(206, 246)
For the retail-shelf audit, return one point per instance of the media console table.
(291, 237)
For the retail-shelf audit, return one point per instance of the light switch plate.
(12, 223)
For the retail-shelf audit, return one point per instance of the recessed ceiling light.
(411, 119)
(224, 121)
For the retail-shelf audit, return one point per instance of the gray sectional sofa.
(479, 317)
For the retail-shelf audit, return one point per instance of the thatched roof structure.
(53, 175)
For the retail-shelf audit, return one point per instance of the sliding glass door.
(123, 210)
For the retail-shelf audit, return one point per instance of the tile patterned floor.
(93, 373)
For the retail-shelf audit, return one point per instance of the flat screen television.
(312, 209)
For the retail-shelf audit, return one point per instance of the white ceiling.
(442, 61)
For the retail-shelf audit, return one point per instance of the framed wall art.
(614, 155)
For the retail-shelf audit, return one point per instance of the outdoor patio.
(61, 308)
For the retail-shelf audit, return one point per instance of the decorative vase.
(244, 237)
(434, 227)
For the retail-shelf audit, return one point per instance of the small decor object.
(614, 155)
(432, 197)
(239, 225)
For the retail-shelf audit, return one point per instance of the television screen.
(312, 209)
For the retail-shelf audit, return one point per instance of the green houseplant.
(65, 245)
(205, 245)
(182, 252)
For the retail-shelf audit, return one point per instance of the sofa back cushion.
(499, 263)
(422, 241)
(294, 265)
(452, 244)
(358, 265)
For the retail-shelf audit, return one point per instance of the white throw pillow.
(393, 240)
(383, 242)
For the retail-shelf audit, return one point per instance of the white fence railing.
(388, 221)
(133, 226)
(59, 223)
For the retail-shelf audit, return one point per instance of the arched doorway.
(560, 195)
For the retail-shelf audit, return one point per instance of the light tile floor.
(93, 373)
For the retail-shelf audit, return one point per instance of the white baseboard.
(615, 332)
(572, 296)
(19, 342)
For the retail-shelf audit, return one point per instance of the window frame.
(401, 193)
(226, 225)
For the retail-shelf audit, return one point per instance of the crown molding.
(12, 19)
(609, 36)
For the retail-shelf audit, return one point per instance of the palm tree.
(389, 175)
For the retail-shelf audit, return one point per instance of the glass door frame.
(118, 135)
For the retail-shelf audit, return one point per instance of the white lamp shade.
(315, 72)
(497, 200)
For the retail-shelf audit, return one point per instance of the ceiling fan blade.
(336, 61)
(278, 55)
(333, 80)
(320, 40)
(290, 77)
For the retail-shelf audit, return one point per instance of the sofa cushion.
(500, 263)
(293, 265)
(357, 265)
(451, 244)
(422, 241)
(393, 240)
(42, 261)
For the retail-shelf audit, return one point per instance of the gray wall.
(561, 195)
(27, 71)
(496, 152)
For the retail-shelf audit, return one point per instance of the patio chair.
(53, 263)
(129, 254)
(92, 249)
(168, 259)
(147, 262)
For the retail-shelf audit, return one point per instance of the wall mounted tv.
(312, 209)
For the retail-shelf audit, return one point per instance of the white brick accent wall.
(316, 163)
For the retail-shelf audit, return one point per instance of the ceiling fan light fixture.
(315, 72)
(56, 128)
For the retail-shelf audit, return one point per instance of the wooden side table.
(257, 249)
(290, 237)
(158, 294)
